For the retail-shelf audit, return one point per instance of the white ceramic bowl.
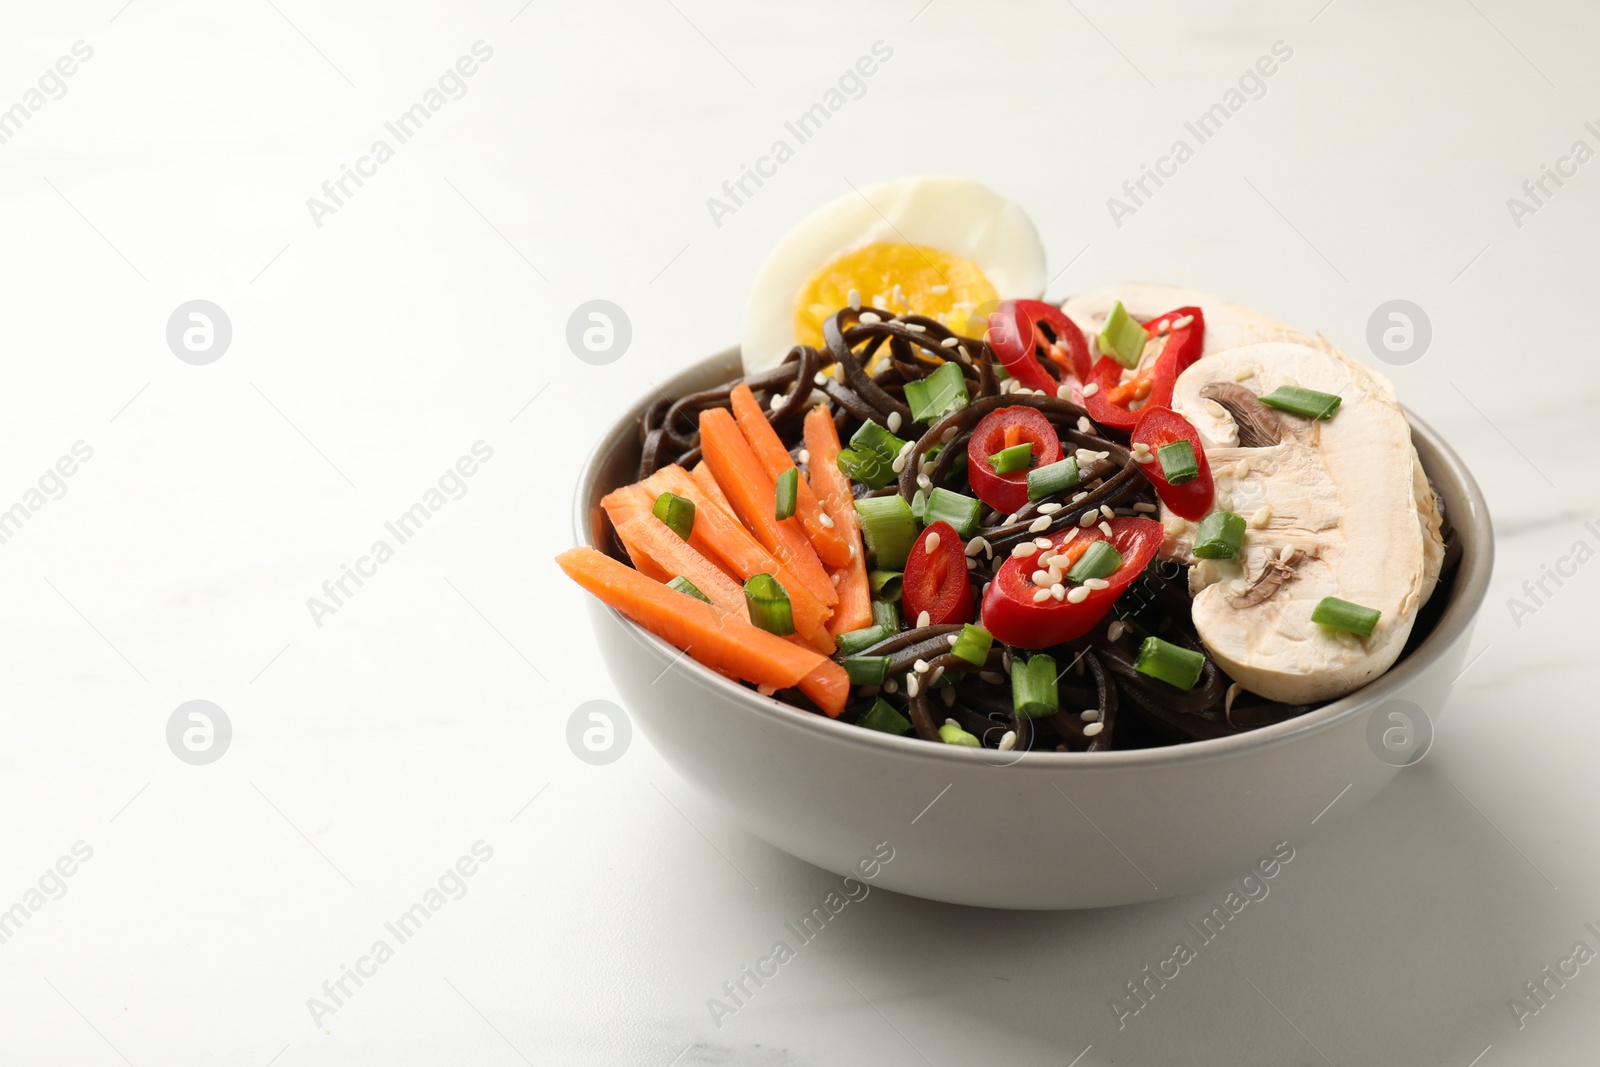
(1035, 830)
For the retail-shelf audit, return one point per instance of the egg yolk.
(901, 278)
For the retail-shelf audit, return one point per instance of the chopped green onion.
(1053, 478)
(933, 453)
(788, 489)
(873, 437)
(1177, 462)
(938, 394)
(677, 512)
(854, 641)
(867, 670)
(958, 510)
(885, 614)
(951, 734)
(768, 604)
(973, 645)
(1339, 614)
(1297, 400)
(883, 717)
(1099, 560)
(919, 506)
(866, 466)
(886, 585)
(1220, 535)
(1170, 663)
(1122, 338)
(958, 466)
(1015, 458)
(1033, 687)
(684, 585)
(889, 528)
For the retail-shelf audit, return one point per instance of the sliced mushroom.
(1332, 508)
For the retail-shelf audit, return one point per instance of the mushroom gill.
(1259, 426)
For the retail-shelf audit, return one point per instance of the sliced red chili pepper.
(1152, 384)
(1006, 428)
(1159, 426)
(1022, 332)
(936, 581)
(1012, 615)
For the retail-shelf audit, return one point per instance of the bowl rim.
(1444, 466)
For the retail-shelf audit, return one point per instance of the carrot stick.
(649, 537)
(716, 638)
(621, 506)
(826, 538)
(702, 477)
(854, 610)
(719, 537)
(753, 495)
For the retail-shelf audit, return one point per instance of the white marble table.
(375, 340)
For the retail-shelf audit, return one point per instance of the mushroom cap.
(1332, 509)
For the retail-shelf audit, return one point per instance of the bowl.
(1037, 830)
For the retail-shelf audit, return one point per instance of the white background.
(369, 353)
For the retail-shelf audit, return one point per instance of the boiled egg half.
(946, 248)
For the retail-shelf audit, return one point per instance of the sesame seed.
(1105, 509)
(952, 639)
(1143, 457)
(920, 666)
(891, 686)
(1239, 587)
(899, 464)
(826, 520)
(932, 544)
(836, 577)
(1178, 324)
(1008, 741)
(870, 317)
(1049, 509)
(1088, 518)
(776, 402)
(922, 619)
(1286, 553)
(1076, 497)
(1245, 371)
(894, 422)
(1093, 729)
(1056, 574)
(1216, 409)
(1058, 590)
(1043, 543)
(1058, 562)
(1262, 516)
(913, 685)
(1041, 595)
(948, 435)
(980, 543)
(765, 690)
(924, 482)
(972, 564)
(1039, 525)
(915, 327)
(1041, 578)
(1067, 540)
(950, 342)
(1091, 389)
(1077, 594)
(1148, 509)
(820, 378)
(1241, 469)
(992, 677)
(1084, 425)
(805, 455)
(1105, 528)
(855, 300)
(905, 450)
(1064, 391)
(1097, 583)
(1116, 629)
(948, 695)
(1027, 548)
(938, 672)
(1090, 715)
